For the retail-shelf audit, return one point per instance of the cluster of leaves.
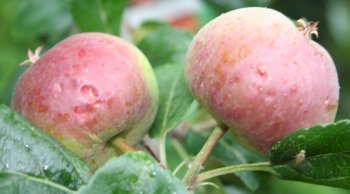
(33, 162)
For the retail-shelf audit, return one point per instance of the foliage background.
(29, 23)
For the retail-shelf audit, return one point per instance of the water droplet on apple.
(58, 87)
(326, 102)
(300, 102)
(261, 72)
(293, 89)
(89, 92)
(284, 79)
(81, 53)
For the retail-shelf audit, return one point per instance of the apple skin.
(254, 71)
(87, 90)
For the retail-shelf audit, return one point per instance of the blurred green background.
(29, 23)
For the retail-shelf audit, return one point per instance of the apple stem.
(260, 166)
(190, 178)
(120, 144)
(162, 150)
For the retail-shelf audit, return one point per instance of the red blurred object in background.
(139, 2)
(189, 23)
(180, 14)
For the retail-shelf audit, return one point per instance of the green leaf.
(174, 98)
(18, 183)
(166, 45)
(133, 172)
(98, 15)
(29, 150)
(228, 153)
(147, 28)
(326, 158)
(39, 19)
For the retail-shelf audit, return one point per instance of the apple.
(87, 90)
(257, 72)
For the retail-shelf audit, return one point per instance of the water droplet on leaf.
(46, 167)
(153, 174)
